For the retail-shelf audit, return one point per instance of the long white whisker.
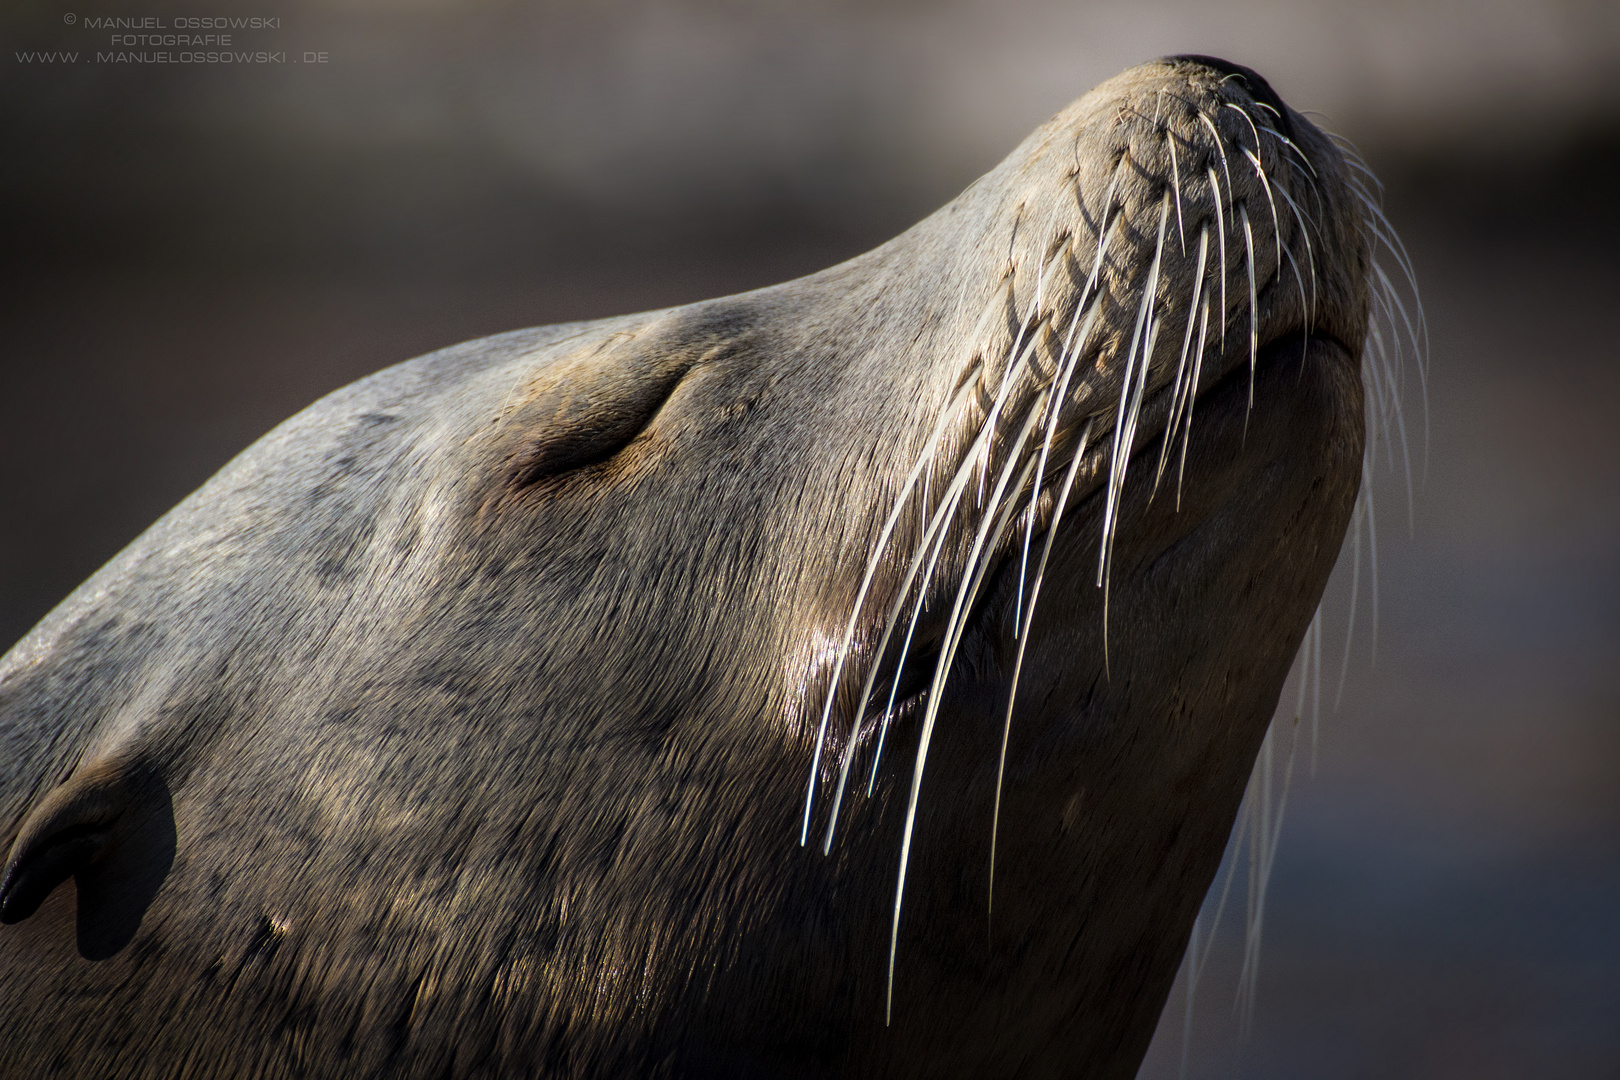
(923, 460)
(1003, 522)
(1259, 832)
(1129, 396)
(1260, 171)
(1290, 144)
(980, 448)
(1316, 680)
(1175, 181)
(1070, 361)
(1147, 327)
(1419, 340)
(1372, 566)
(1192, 396)
(1007, 513)
(971, 459)
(1265, 185)
(1299, 282)
(1220, 232)
(1393, 296)
(1231, 873)
(1392, 379)
(1026, 617)
(1177, 392)
(1355, 579)
(1310, 252)
(937, 546)
(1354, 159)
(1266, 849)
(1016, 361)
(1394, 399)
(1394, 306)
(1220, 218)
(1305, 668)
(1192, 990)
(953, 630)
(1037, 305)
(1384, 233)
(1377, 224)
(1220, 148)
(1378, 371)
(933, 543)
(1310, 183)
(1254, 307)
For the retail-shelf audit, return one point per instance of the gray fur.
(461, 726)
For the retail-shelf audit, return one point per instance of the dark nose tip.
(1253, 81)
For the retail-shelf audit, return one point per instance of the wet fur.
(462, 725)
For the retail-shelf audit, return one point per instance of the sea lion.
(858, 676)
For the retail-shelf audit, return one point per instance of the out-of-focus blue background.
(190, 253)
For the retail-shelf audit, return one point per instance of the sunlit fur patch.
(1176, 221)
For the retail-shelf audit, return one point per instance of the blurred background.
(190, 253)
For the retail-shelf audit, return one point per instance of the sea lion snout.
(1253, 81)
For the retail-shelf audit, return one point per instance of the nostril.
(1258, 87)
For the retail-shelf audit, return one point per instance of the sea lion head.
(672, 693)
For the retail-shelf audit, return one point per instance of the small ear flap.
(73, 827)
